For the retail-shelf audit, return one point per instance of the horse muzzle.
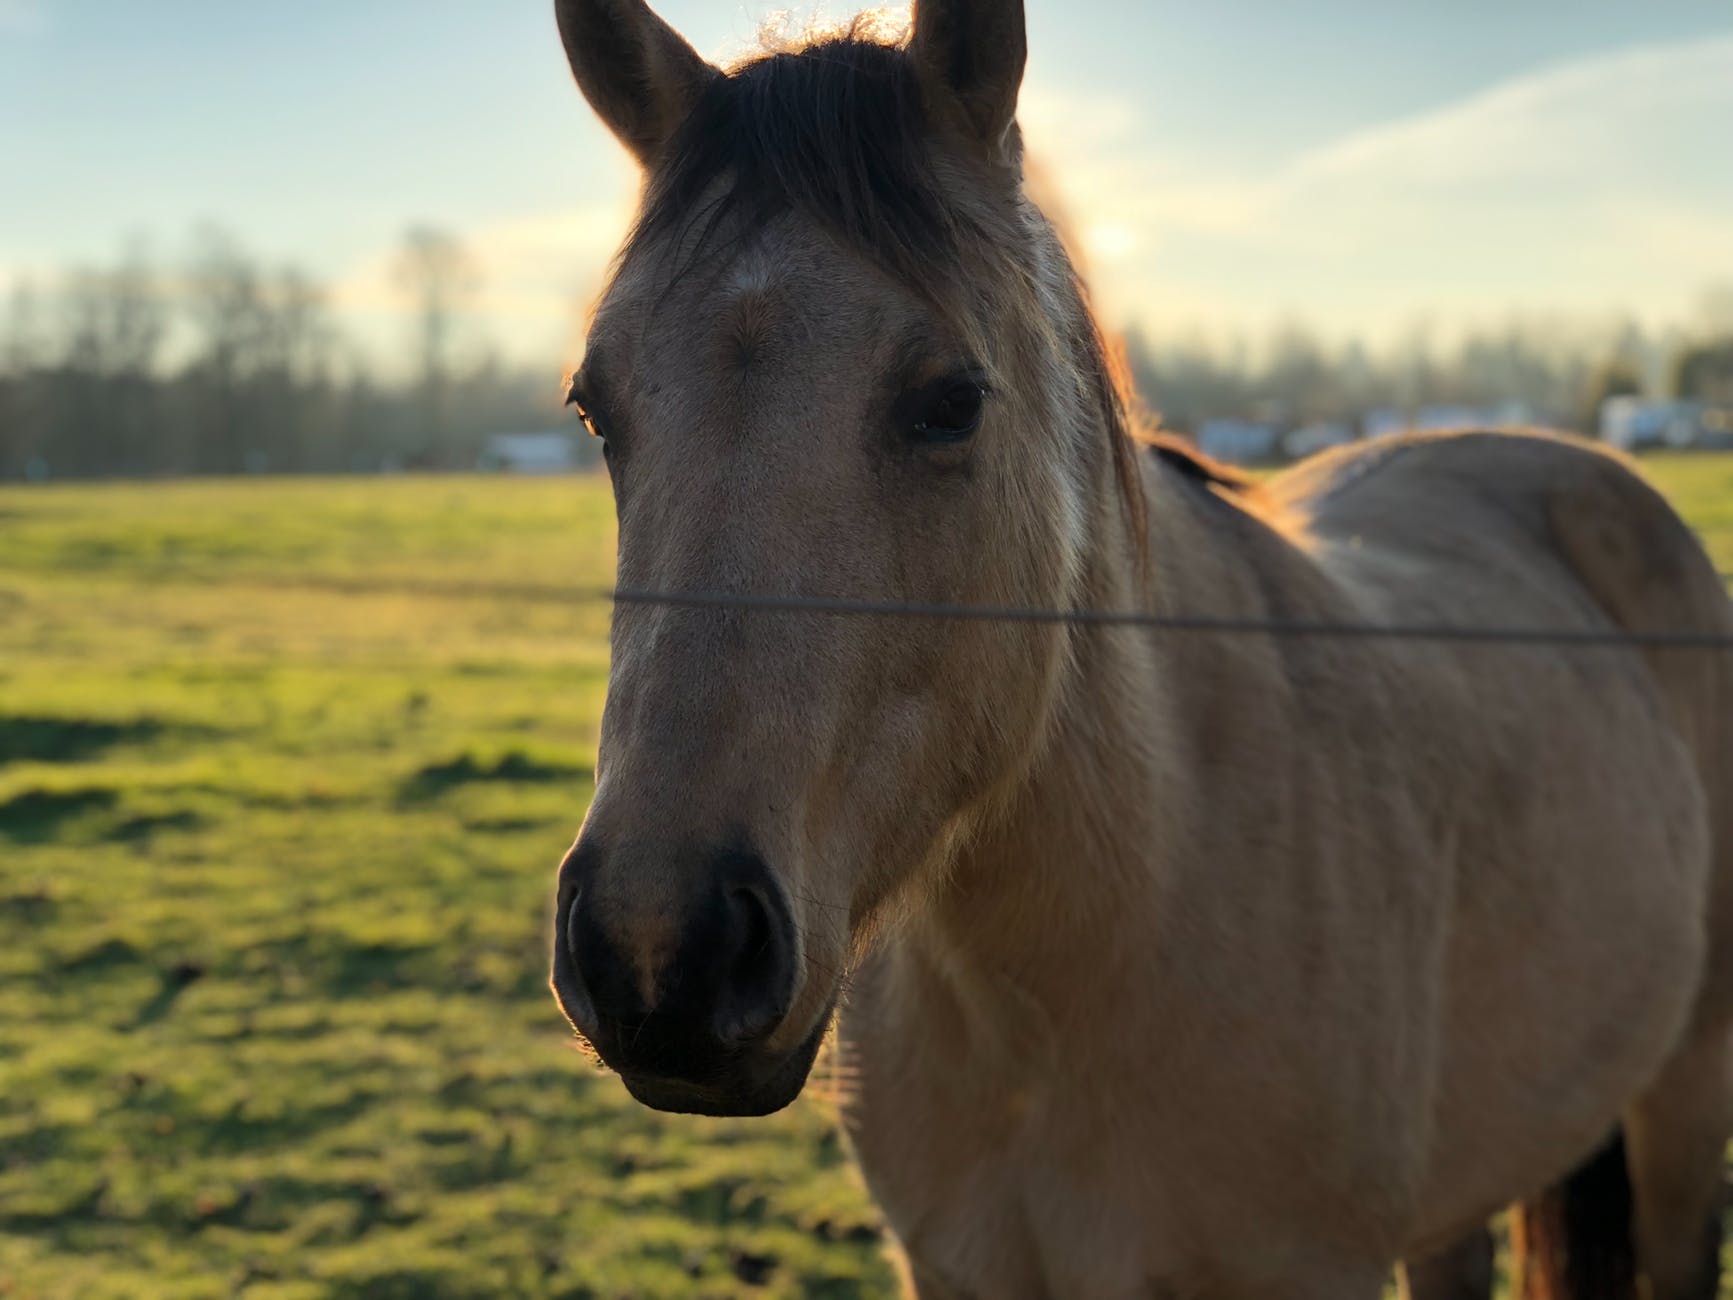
(684, 992)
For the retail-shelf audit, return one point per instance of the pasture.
(285, 771)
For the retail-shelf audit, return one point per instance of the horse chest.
(1002, 1181)
(1140, 1163)
(1012, 1218)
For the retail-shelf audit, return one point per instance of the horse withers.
(1191, 965)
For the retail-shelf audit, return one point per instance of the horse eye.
(954, 414)
(591, 421)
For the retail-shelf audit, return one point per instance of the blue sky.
(1352, 163)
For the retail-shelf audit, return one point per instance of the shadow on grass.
(85, 1207)
(36, 905)
(515, 766)
(342, 970)
(175, 981)
(367, 970)
(271, 1204)
(40, 815)
(43, 739)
(134, 829)
(107, 955)
(36, 816)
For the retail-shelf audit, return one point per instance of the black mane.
(1189, 462)
(835, 131)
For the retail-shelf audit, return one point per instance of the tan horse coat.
(1223, 967)
(1414, 923)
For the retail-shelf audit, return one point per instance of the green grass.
(1702, 489)
(285, 772)
(282, 792)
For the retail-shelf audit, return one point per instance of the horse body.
(1210, 965)
(1390, 932)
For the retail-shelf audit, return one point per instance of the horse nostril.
(572, 923)
(757, 974)
(679, 981)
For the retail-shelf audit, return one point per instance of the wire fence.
(1581, 638)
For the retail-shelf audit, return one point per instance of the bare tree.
(225, 305)
(1300, 379)
(439, 278)
(224, 300)
(1704, 373)
(22, 347)
(1616, 377)
(1704, 370)
(297, 338)
(230, 365)
(21, 354)
(101, 390)
(115, 318)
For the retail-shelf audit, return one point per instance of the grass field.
(282, 792)
(285, 771)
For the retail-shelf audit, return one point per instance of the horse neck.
(1066, 878)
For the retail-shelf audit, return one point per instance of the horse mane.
(835, 129)
(1180, 455)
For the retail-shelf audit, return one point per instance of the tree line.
(1556, 372)
(222, 364)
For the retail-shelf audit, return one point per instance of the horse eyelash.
(576, 398)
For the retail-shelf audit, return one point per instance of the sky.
(1357, 165)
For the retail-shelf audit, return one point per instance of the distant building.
(1435, 418)
(1239, 442)
(530, 453)
(1384, 422)
(1632, 423)
(1503, 415)
(1514, 415)
(1388, 421)
(1310, 439)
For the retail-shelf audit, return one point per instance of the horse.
(1225, 964)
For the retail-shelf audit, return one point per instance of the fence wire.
(1446, 633)
(1176, 624)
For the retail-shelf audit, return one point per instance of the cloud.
(1597, 182)
(1567, 121)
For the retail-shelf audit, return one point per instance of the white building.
(1385, 422)
(1630, 423)
(1242, 442)
(530, 453)
(1310, 439)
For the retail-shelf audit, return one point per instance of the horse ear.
(638, 73)
(970, 55)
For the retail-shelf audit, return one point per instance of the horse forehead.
(755, 275)
(766, 328)
(754, 296)
(751, 372)
(779, 282)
